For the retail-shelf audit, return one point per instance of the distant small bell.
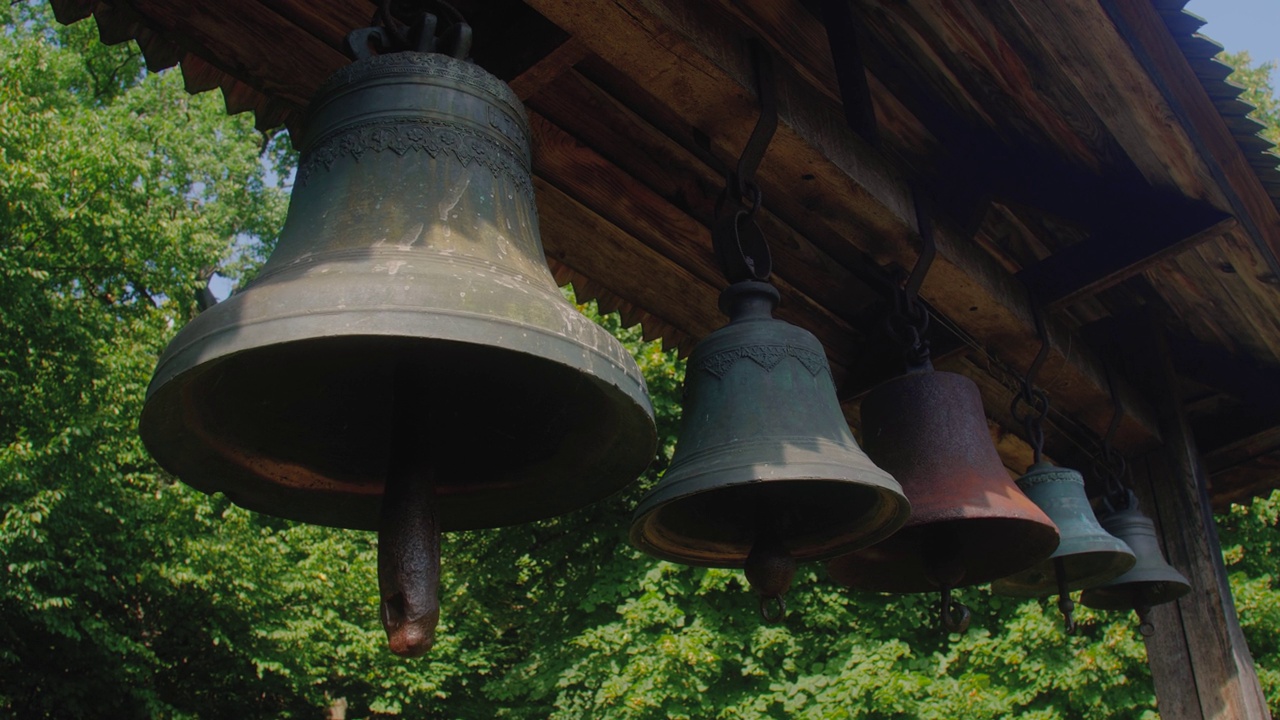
(1089, 554)
(969, 523)
(1152, 580)
(765, 456)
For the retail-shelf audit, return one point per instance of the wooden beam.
(833, 187)
(248, 44)
(1241, 483)
(551, 66)
(1198, 655)
(1113, 255)
(1240, 377)
(1159, 55)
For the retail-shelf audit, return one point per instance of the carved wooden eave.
(1088, 148)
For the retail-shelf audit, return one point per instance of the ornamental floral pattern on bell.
(766, 356)
(465, 146)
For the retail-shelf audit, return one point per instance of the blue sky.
(1252, 25)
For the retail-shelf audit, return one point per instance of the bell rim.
(1128, 595)
(894, 508)
(1117, 564)
(1038, 536)
(617, 378)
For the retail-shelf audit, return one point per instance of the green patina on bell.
(1151, 581)
(1087, 554)
(411, 246)
(765, 456)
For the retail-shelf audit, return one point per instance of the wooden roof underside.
(1089, 148)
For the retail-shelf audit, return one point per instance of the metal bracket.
(740, 246)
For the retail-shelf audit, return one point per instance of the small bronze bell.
(969, 523)
(1087, 555)
(406, 329)
(766, 471)
(1151, 581)
(1090, 554)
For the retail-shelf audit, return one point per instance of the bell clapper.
(770, 569)
(1065, 604)
(409, 534)
(409, 565)
(954, 615)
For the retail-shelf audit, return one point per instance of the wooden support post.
(1199, 659)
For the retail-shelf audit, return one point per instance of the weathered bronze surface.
(969, 523)
(1087, 554)
(1152, 581)
(411, 240)
(764, 452)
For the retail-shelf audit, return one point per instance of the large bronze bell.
(969, 523)
(1152, 580)
(1087, 554)
(412, 238)
(407, 330)
(765, 458)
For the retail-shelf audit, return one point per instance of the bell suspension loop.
(422, 35)
(740, 246)
(908, 322)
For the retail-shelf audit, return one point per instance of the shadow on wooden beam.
(1112, 255)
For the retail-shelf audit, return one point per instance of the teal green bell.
(1151, 581)
(1088, 555)
(765, 458)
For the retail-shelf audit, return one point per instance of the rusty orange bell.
(969, 523)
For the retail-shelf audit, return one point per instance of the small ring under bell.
(776, 603)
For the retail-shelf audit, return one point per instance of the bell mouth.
(300, 430)
(812, 518)
(979, 549)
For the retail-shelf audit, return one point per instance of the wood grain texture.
(1191, 106)
(248, 45)
(1218, 661)
(676, 52)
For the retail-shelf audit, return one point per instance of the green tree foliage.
(1250, 536)
(1258, 91)
(127, 594)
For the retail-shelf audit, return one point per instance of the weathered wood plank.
(1114, 255)
(249, 44)
(591, 179)
(852, 197)
(551, 66)
(614, 258)
(328, 20)
(1140, 118)
(1160, 58)
(1220, 665)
